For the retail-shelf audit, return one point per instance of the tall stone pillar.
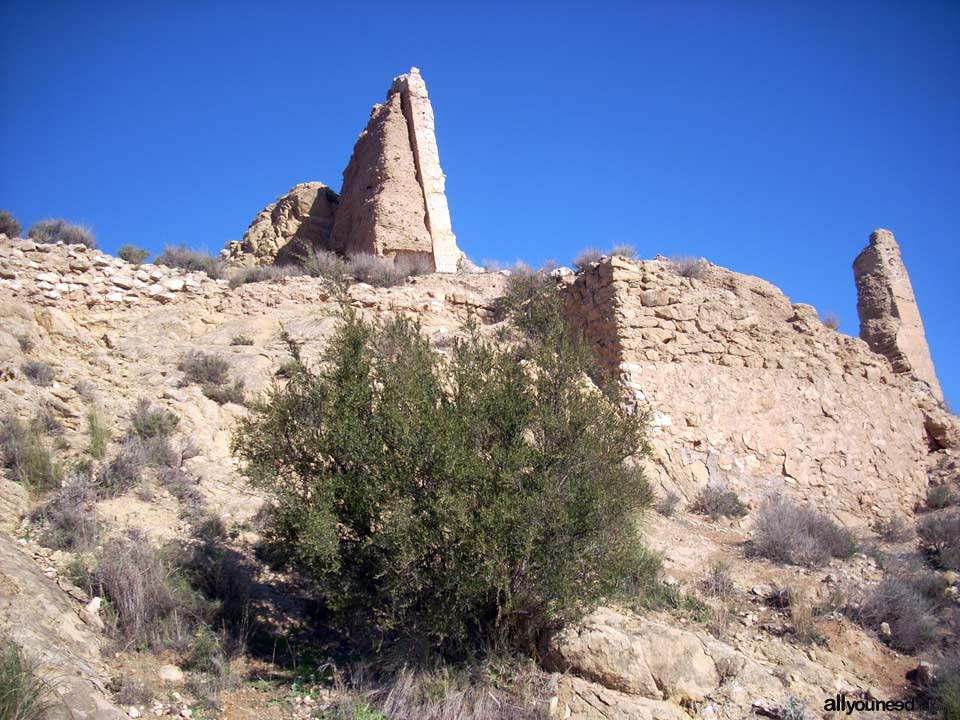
(890, 320)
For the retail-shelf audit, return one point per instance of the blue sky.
(769, 137)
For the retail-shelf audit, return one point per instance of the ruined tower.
(890, 320)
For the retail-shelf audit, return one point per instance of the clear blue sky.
(769, 137)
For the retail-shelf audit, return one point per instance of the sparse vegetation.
(688, 267)
(9, 225)
(180, 256)
(25, 343)
(24, 695)
(39, 373)
(70, 518)
(939, 497)
(327, 266)
(893, 530)
(241, 340)
(24, 454)
(586, 258)
(99, 430)
(799, 535)
(212, 373)
(368, 456)
(667, 505)
(86, 390)
(262, 273)
(718, 502)
(941, 533)
(910, 616)
(133, 254)
(830, 321)
(627, 252)
(148, 421)
(386, 272)
(54, 231)
(146, 444)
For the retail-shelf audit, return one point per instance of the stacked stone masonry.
(750, 391)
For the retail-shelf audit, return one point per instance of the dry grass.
(241, 340)
(39, 373)
(23, 452)
(941, 533)
(939, 497)
(893, 530)
(99, 431)
(667, 505)
(911, 616)
(133, 254)
(70, 518)
(830, 321)
(385, 272)
(263, 273)
(799, 535)
(586, 257)
(688, 267)
(9, 225)
(180, 256)
(54, 231)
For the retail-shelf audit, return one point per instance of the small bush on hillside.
(155, 606)
(941, 532)
(46, 423)
(133, 254)
(70, 518)
(241, 340)
(627, 252)
(405, 484)
(148, 421)
(790, 533)
(328, 266)
(25, 343)
(24, 454)
(54, 231)
(688, 267)
(893, 530)
(385, 272)
(24, 695)
(124, 471)
(232, 392)
(939, 497)
(9, 225)
(586, 258)
(86, 390)
(719, 502)
(39, 373)
(911, 617)
(201, 369)
(667, 505)
(830, 321)
(180, 256)
(99, 430)
(262, 273)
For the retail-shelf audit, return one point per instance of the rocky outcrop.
(393, 200)
(45, 623)
(890, 320)
(300, 220)
(750, 391)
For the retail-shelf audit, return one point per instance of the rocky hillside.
(748, 395)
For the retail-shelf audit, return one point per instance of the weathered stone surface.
(890, 320)
(300, 220)
(751, 391)
(393, 201)
(40, 619)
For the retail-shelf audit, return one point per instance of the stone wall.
(751, 391)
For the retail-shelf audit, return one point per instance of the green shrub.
(24, 695)
(99, 430)
(9, 225)
(133, 254)
(25, 455)
(180, 256)
(459, 501)
(54, 231)
(790, 533)
(719, 502)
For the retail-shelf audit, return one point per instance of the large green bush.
(475, 500)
